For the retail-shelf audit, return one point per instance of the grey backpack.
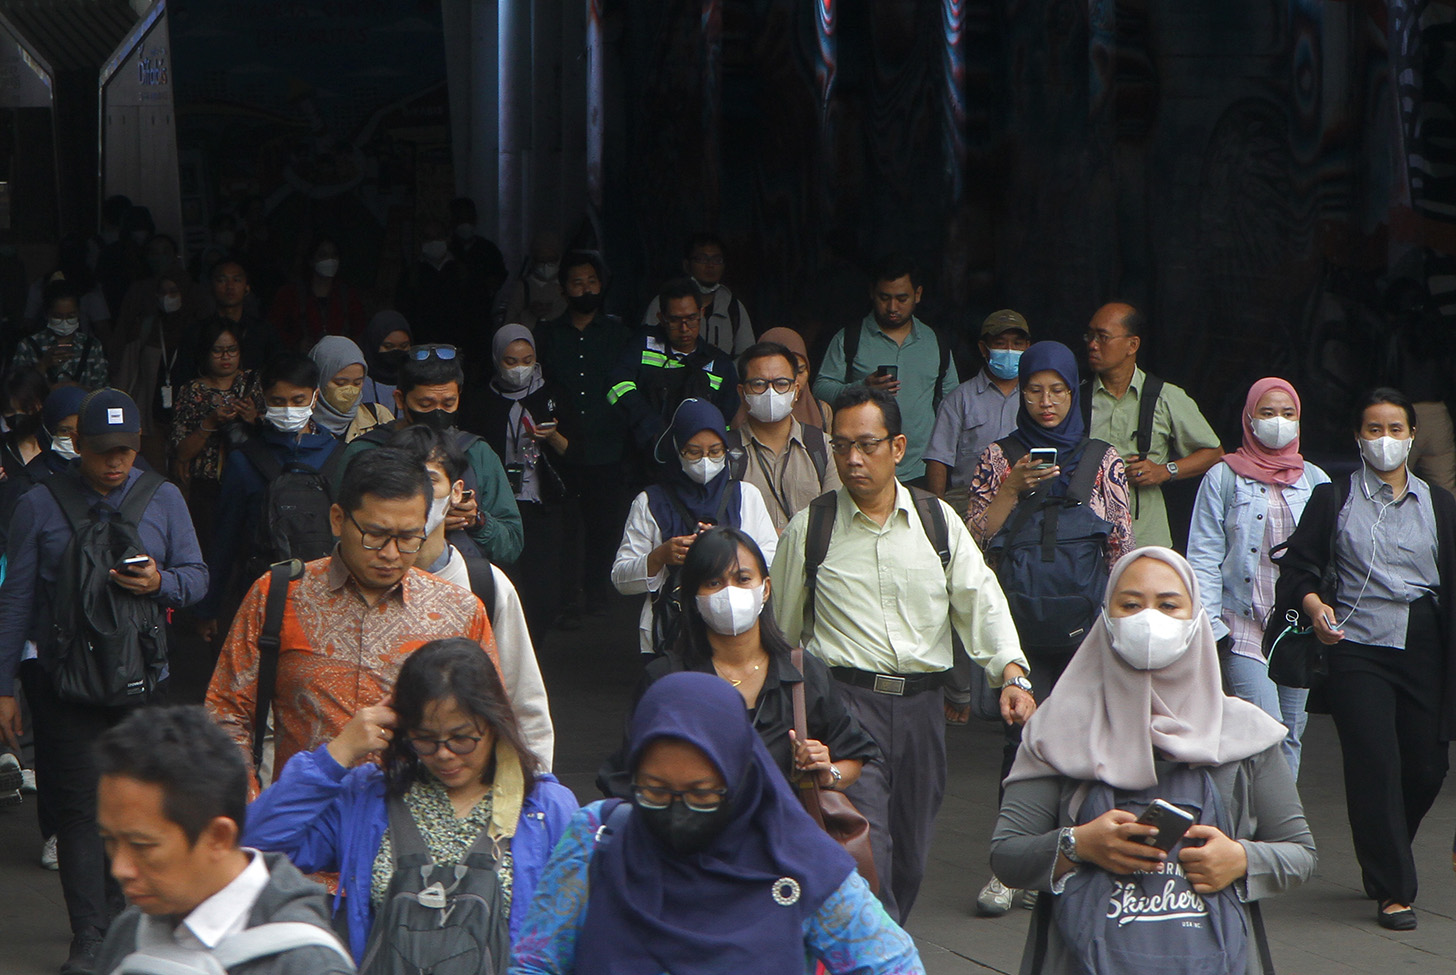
(445, 920)
(251, 944)
(1153, 923)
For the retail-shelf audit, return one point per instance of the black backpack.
(851, 349)
(1051, 556)
(293, 521)
(105, 647)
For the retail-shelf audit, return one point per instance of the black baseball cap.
(109, 419)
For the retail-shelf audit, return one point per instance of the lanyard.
(768, 472)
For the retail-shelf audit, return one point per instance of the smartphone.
(1043, 457)
(132, 566)
(1171, 821)
(467, 496)
(546, 426)
(891, 371)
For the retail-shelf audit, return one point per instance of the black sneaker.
(84, 949)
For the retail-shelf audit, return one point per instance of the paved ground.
(1324, 928)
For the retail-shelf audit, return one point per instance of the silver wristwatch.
(1172, 468)
(1023, 683)
(837, 775)
(1067, 844)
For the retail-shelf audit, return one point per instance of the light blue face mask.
(1004, 363)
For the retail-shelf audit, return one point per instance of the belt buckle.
(887, 684)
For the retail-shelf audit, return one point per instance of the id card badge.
(166, 397)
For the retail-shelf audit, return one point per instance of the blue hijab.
(701, 501)
(1067, 437)
(652, 911)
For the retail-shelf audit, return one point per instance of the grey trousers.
(900, 793)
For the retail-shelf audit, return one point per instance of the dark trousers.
(539, 575)
(1046, 670)
(44, 817)
(65, 734)
(1386, 708)
(596, 519)
(900, 792)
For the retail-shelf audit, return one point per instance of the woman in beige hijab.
(1141, 704)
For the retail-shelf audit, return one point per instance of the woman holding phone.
(1371, 567)
(1141, 716)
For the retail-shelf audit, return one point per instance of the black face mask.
(23, 425)
(684, 831)
(583, 303)
(437, 420)
(386, 366)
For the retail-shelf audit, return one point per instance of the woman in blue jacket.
(452, 752)
(1247, 505)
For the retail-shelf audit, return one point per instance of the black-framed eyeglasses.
(375, 541)
(698, 800)
(866, 445)
(422, 352)
(226, 351)
(458, 744)
(780, 385)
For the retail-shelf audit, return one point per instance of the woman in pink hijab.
(1248, 504)
(1139, 715)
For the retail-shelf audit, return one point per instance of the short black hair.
(767, 350)
(293, 368)
(575, 259)
(425, 444)
(676, 289)
(220, 263)
(1134, 322)
(26, 388)
(702, 239)
(58, 290)
(442, 669)
(198, 766)
(208, 334)
(431, 370)
(858, 394)
(1383, 395)
(387, 473)
(893, 267)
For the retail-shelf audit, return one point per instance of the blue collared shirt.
(969, 420)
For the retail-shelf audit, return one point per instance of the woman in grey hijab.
(1140, 707)
(342, 371)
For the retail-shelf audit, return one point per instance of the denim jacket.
(1226, 537)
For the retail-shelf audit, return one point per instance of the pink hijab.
(806, 410)
(1107, 722)
(1256, 461)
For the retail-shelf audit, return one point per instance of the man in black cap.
(168, 573)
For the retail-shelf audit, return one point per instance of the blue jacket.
(1226, 537)
(240, 502)
(327, 817)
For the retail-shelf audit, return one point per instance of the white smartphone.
(1043, 457)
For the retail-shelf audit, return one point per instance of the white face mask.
(64, 448)
(516, 377)
(290, 419)
(328, 268)
(1150, 639)
(435, 250)
(704, 469)
(770, 406)
(171, 303)
(438, 509)
(706, 289)
(731, 610)
(1274, 432)
(1385, 453)
(545, 271)
(63, 326)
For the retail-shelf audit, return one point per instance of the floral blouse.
(447, 837)
(195, 400)
(1109, 499)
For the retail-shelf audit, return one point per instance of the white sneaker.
(995, 899)
(48, 857)
(27, 780)
(10, 776)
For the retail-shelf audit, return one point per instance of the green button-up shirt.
(884, 602)
(1178, 430)
(919, 363)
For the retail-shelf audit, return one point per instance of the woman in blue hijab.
(699, 491)
(712, 866)
(1013, 494)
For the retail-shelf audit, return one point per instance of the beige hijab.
(1106, 721)
(806, 410)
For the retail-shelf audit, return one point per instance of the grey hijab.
(333, 355)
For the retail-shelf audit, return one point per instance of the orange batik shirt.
(337, 653)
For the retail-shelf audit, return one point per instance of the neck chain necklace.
(739, 682)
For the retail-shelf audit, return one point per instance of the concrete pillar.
(513, 98)
(546, 175)
(596, 98)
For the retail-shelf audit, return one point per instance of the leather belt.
(896, 685)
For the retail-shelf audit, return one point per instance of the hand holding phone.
(1043, 457)
(134, 566)
(1170, 821)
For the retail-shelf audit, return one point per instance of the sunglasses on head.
(422, 352)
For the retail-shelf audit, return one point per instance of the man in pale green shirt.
(892, 336)
(884, 610)
(1183, 445)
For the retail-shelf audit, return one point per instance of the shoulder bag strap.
(404, 832)
(270, 642)
(261, 458)
(807, 788)
(274, 938)
(1084, 478)
(1147, 407)
(1261, 938)
(134, 505)
(817, 445)
(72, 501)
(932, 520)
(936, 394)
(816, 546)
(851, 349)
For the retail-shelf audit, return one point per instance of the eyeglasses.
(226, 351)
(1058, 393)
(866, 445)
(1101, 338)
(780, 385)
(422, 352)
(683, 321)
(458, 744)
(698, 453)
(698, 800)
(376, 541)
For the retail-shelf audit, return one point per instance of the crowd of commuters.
(373, 522)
